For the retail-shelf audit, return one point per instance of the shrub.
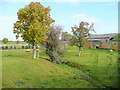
(3, 48)
(14, 47)
(22, 47)
(26, 47)
(6, 47)
(53, 44)
(11, 47)
(5, 40)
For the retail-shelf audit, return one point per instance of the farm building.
(102, 40)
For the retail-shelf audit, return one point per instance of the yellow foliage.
(32, 22)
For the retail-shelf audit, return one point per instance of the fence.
(15, 46)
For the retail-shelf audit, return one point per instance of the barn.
(102, 40)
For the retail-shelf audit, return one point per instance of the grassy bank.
(19, 70)
(101, 65)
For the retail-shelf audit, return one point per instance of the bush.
(22, 47)
(5, 40)
(53, 44)
(6, 47)
(114, 45)
(26, 47)
(14, 47)
(3, 48)
(73, 42)
(10, 47)
(29, 47)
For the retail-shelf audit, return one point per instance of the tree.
(65, 37)
(33, 23)
(114, 43)
(74, 40)
(117, 37)
(5, 40)
(81, 33)
(53, 44)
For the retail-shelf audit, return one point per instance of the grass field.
(13, 42)
(100, 64)
(20, 71)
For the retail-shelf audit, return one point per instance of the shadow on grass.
(45, 58)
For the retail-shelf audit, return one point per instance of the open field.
(13, 42)
(20, 71)
(101, 65)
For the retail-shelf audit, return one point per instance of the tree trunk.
(37, 51)
(34, 52)
(79, 52)
(37, 54)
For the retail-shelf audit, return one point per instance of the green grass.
(20, 71)
(0, 70)
(14, 42)
(100, 64)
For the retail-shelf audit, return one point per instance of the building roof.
(101, 36)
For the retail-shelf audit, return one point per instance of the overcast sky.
(66, 13)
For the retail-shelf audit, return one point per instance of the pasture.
(13, 42)
(94, 68)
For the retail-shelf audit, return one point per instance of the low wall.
(14, 44)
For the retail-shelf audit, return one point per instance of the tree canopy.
(80, 33)
(5, 40)
(33, 22)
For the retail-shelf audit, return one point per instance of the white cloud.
(83, 17)
(100, 25)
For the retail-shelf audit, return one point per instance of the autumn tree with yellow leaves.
(33, 23)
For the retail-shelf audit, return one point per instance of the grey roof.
(101, 36)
